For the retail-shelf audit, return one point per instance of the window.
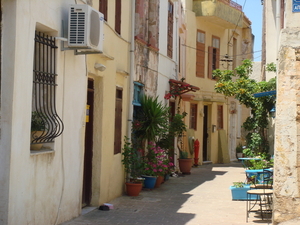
(118, 121)
(220, 117)
(137, 93)
(213, 56)
(103, 8)
(118, 16)
(200, 54)
(193, 116)
(44, 115)
(170, 29)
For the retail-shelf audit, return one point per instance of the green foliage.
(183, 154)
(243, 88)
(271, 67)
(38, 121)
(238, 184)
(153, 120)
(131, 160)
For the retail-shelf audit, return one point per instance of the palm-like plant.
(153, 119)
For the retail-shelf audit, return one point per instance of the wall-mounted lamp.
(99, 66)
(214, 128)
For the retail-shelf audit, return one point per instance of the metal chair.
(264, 195)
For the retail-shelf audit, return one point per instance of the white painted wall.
(39, 188)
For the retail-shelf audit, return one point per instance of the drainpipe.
(278, 21)
(132, 71)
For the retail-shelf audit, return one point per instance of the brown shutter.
(220, 117)
(170, 29)
(118, 122)
(217, 58)
(200, 61)
(103, 8)
(210, 61)
(118, 16)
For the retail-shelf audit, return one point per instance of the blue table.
(258, 174)
(244, 161)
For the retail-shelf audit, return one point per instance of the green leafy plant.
(131, 161)
(243, 88)
(238, 184)
(152, 120)
(38, 121)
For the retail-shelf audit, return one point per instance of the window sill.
(40, 152)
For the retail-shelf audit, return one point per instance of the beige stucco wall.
(207, 95)
(46, 187)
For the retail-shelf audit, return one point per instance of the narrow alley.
(202, 198)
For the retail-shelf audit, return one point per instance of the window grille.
(44, 86)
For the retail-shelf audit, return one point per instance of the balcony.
(224, 13)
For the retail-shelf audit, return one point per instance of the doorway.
(205, 134)
(88, 147)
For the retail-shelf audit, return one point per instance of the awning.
(263, 94)
(178, 88)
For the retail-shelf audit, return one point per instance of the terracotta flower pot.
(133, 189)
(159, 181)
(185, 165)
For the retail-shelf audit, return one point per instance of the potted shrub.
(177, 128)
(38, 128)
(132, 166)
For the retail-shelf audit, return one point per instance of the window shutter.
(103, 8)
(210, 61)
(200, 61)
(118, 16)
(217, 58)
(118, 122)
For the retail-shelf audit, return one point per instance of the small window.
(220, 117)
(170, 30)
(137, 93)
(118, 121)
(118, 16)
(44, 114)
(201, 37)
(193, 116)
(103, 8)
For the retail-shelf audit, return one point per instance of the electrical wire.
(247, 53)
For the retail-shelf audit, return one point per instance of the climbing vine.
(238, 84)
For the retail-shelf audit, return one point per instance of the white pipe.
(278, 21)
(132, 71)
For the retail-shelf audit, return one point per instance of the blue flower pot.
(241, 193)
(149, 182)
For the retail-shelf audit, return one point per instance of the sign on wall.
(296, 5)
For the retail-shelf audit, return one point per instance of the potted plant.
(239, 151)
(239, 191)
(38, 129)
(177, 128)
(132, 166)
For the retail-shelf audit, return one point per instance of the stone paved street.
(202, 198)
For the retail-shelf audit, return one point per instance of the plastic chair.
(264, 195)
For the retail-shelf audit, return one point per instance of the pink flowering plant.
(156, 161)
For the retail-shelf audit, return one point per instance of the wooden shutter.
(200, 60)
(118, 16)
(220, 117)
(118, 121)
(217, 63)
(103, 8)
(170, 29)
(210, 61)
(193, 116)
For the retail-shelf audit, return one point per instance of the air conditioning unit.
(85, 28)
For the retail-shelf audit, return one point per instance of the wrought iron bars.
(44, 86)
